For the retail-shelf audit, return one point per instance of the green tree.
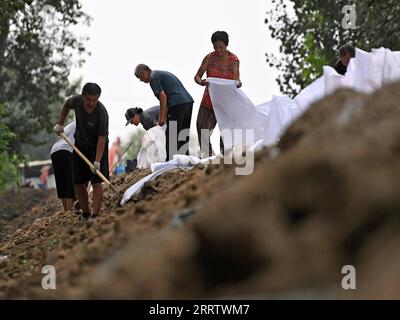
(43, 139)
(311, 31)
(136, 143)
(9, 173)
(37, 51)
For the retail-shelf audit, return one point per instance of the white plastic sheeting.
(237, 115)
(139, 185)
(153, 147)
(310, 94)
(370, 71)
(366, 73)
(178, 161)
(234, 110)
(281, 112)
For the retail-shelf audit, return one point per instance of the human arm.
(163, 108)
(70, 128)
(58, 128)
(102, 134)
(236, 74)
(201, 71)
(101, 142)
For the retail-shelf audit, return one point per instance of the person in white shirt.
(61, 158)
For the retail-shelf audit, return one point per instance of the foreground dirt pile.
(326, 197)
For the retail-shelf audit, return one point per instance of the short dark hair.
(347, 48)
(140, 68)
(130, 113)
(92, 89)
(220, 36)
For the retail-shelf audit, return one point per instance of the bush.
(9, 174)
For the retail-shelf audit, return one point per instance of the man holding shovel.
(91, 139)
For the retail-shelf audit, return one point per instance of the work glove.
(58, 128)
(97, 166)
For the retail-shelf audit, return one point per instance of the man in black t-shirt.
(91, 138)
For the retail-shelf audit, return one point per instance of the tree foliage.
(8, 162)
(311, 31)
(136, 143)
(37, 51)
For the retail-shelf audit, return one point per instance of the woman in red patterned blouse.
(220, 63)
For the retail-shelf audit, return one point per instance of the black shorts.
(82, 172)
(62, 165)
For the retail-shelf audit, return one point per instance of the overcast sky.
(172, 35)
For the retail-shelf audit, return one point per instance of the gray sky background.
(172, 35)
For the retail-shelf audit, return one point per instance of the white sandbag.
(153, 148)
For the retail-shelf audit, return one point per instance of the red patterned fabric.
(217, 71)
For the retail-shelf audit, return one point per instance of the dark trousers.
(62, 165)
(178, 119)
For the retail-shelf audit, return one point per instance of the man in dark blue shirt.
(176, 106)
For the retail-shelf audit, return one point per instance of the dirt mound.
(75, 247)
(25, 205)
(13, 203)
(330, 198)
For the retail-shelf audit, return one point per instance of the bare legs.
(67, 204)
(84, 199)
